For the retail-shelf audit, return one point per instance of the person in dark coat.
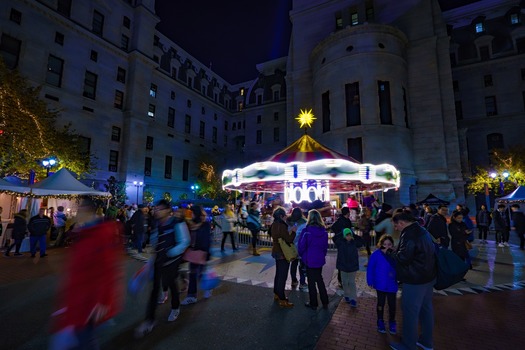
(18, 233)
(348, 262)
(501, 225)
(137, 225)
(437, 226)
(342, 222)
(38, 226)
(483, 221)
(518, 218)
(458, 232)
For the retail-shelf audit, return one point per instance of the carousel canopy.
(315, 169)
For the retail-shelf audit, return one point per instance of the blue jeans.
(302, 271)
(416, 303)
(281, 273)
(41, 240)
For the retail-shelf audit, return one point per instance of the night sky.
(234, 35)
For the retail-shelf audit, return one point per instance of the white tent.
(6, 186)
(63, 183)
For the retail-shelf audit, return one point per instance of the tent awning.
(517, 196)
(63, 183)
(433, 200)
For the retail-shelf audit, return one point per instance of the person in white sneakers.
(170, 239)
(501, 225)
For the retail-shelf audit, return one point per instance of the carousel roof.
(307, 161)
(306, 149)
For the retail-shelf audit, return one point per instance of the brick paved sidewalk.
(477, 321)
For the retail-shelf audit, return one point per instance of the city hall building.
(431, 92)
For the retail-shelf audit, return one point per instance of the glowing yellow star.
(306, 118)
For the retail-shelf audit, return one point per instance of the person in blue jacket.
(348, 262)
(381, 275)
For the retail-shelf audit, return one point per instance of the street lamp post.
(48, 163)
(138, 185)
(503, 177)
(194, 189)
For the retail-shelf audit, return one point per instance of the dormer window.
(514, 18)
(480, 27)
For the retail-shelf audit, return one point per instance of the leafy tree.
(511, 161)
(210, 183)
(148, 196)
(167, 196)
(117, 190)
(29, 131)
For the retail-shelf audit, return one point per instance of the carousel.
(307, 171)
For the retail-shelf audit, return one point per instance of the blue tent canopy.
(517, 196)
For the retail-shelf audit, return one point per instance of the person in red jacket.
(93, 285)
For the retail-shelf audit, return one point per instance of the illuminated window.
(153, 90)
(514, 18)
(151, 111)
(355, 19)
(241, 92)
(338, 20)
(480, 27)
(119, 99)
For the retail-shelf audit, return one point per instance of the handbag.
(450, 268)
(209, 279)
(195, 256)
(289, 250)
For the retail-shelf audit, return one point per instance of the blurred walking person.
(38, 227)
(18, 233)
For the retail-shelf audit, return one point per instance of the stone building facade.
(378, 75)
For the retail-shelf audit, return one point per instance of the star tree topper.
(306, 118)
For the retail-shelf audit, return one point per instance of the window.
(185, 169)
(188, 103)
(119, 99)
(239, 125)
(15, 16)
(149, 142)
(203, 110)
(187, 124)
(241, 92)
(370, 10)
(10, 50)
(455, 85)
(353, 104)
(147, 166)
(514, 18)
(151, 111)
(115, 133)
(98, 23)
(234, 126)
(59, 38)
(338, 20)
(190, 81)
(214, 135)
(275, 134)
(276, 116)
(225, 125)
(495, 141)
(202, 127)
(93, 56)
(354, 19)
(156, 40)
(459, 110)
(64, 7)
(259, 99)
(167, 167)
(240, 106)
(258, 137)
(259, 119)
(325, 102)
(113, 161)
(480, 27)
(385, 112)
(84, 145)
(174, 72)
(355, 148)
(484, 53)
(214, 116)
(487, 79)
(520, 45)
(55, 67)
(126, 22)
(172, 95)
(121, 75)
(276, 95)
(490, 106)
(225, 140)
(90, 85)
(171, 117)
(153, 90)
(124, 42)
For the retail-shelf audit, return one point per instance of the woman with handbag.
(200, 232)
(313, 247)
(279, 230)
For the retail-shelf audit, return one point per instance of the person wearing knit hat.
(347, 262)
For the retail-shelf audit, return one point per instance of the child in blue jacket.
(381, 275)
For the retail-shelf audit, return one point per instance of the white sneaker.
(189, 300)
(506, 244)
(174, 314)
(207, 293)
(162, 298)
(144, 328)
(500, 245)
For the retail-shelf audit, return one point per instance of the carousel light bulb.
(306, 118)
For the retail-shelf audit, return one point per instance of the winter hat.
(347, 232)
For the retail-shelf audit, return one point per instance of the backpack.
(450, 268)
